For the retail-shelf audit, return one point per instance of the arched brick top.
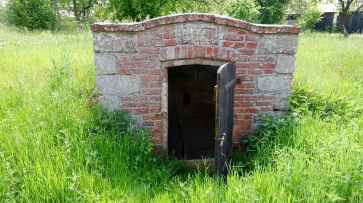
(132, 63)
(192, 17)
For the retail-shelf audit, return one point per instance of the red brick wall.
(168, 41)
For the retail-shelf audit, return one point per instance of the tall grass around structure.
(55, 148)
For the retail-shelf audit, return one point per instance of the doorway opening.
(191, 111)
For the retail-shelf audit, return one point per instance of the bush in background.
(246, 10)
(309, 17)
(31, 14)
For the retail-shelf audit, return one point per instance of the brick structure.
(132, 62)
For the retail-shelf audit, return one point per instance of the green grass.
(54, 148)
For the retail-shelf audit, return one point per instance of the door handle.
(221, 140)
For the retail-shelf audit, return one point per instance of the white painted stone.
(118, 84)
(105, 64)
(285, 63)
(278, 44)
(138, 119)
(197, 33)
(280, 101)
(110, 102)
(108, 42)
(274, 83)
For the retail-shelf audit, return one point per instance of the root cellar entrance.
(191, 111)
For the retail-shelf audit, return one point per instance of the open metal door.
(224, 116)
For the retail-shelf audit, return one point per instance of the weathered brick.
(239, 110)
(177, 52)
(151, 91)
(148, 104)
(240, 85)
(242, 122)
(255, 72)
(201, 52)
(241, 71)
(155, 57)
(154, 110)
(267, 97)
(150, 64)
(141, 110)
(246, 65)
(190, 52)
(154, 71)
(154, 84)
(239, 45)
(141, 98)
(184, 52)
(126, 98)
(156, 36)
(252, 110)
(143, 43)
(252, 45)
(227, 44)
(149, 123)
(155, 98)
(195, 52)
(267, 65)
(179, 19)
(150, 78)
(243, 104)
(169, 35)
(209, 52)
(266, 109)
(139, 71)
(170, 53)
(263, 103)
(149, 50)
(215, 53)
(251, 38)
(238, 31)
(239, 98)
(156, 141)
(253, 98)
(246, 127)
(139, 57)
(158, 43)
(247, 51)
(170, 42)
(250, 85)
(126, 64)
(128, 104)
(256, 58)
(124, 71)
(246, 116)
(151, 117)
(243, 91)
(233, 37)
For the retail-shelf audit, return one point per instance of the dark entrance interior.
(191, 111)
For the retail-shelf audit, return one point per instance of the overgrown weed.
(54, 148)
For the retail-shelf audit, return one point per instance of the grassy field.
(55, 148)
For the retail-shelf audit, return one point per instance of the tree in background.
(136, 9)
(31, 14)
(258, 11)
(308, 12)
(346, 10)
(247, 10)
(139, 10)
(81, 7)
(272, 12)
